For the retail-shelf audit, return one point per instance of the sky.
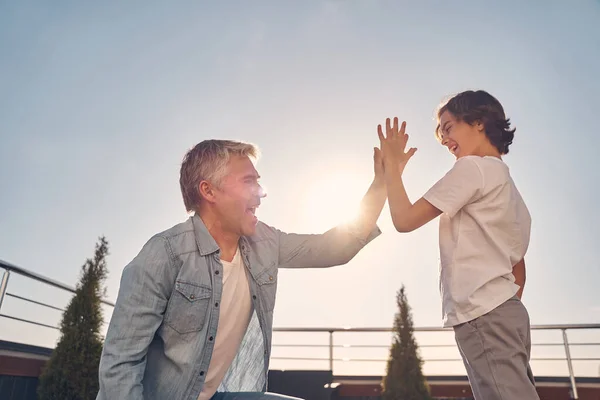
(100, 101)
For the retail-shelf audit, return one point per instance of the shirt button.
(217, 272)
(217, 304)
(201, 373)
(192, 297)
(254, 296)
(270, 278)
(211, 338)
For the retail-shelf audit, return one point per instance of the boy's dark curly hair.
(480, 106)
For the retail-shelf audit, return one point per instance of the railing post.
(331, 351)
(570, 365)
(3, 286)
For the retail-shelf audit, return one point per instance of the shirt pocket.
(267, 287)
(188, 307)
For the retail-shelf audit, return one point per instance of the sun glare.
(331, 200)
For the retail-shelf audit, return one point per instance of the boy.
(484, 235)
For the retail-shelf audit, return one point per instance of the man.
(194, 314)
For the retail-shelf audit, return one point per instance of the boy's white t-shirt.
(484, 232)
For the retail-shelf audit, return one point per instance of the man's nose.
(262, 193)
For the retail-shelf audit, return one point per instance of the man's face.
(238, 197)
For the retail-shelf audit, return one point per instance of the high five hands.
(393, 145)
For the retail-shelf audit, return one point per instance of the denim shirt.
(161, 335)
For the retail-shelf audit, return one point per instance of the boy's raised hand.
(393, 144)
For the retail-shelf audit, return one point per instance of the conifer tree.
(72, 371)
(404, 378)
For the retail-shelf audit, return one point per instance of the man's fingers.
(380, 133)
(377, 156)
(402, 127)
(395, 128)
(411, 152)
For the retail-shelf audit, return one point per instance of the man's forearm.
(370, 208)
(520, 276)
(338, 245)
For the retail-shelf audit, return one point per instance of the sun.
(332, 199)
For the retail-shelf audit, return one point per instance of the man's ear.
(206, 191)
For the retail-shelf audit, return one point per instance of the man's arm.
(143, 295)
(339, 245)
(520, 276)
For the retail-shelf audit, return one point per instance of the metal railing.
(10, 268)
(330, 345)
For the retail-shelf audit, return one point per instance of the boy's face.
(461, 138)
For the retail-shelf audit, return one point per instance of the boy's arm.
(520, 276)
(457, 188)
(406, 216)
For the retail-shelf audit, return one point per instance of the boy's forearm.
(520, 276)
(398, 200)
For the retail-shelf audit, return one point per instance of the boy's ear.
(479, 125)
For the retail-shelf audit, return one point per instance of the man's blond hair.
(207, 161)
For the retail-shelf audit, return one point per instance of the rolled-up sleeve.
(143, 295)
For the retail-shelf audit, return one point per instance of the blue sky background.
(100, 101)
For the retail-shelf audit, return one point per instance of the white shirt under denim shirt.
(161, 335)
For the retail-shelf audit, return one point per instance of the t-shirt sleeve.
(462, 185)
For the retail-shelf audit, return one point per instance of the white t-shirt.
(234, 316)
(484, 232)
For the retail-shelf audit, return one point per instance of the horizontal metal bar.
(356, 346)
(380, 346)
(43, 279)
(564, 359)
(355, 359)
(424, 329)
(33, 301)
(29, 322)
(425, 359)
(562, 344)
